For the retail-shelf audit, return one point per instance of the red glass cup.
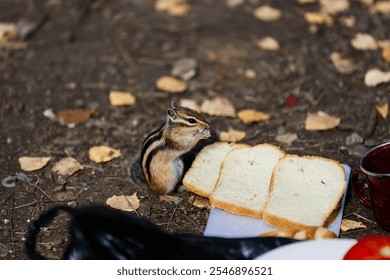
(375, 164)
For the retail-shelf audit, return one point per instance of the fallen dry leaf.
(267, 13)
(189, 103)
(200, 202)
(249, 116)
(383, 44)
(72, 117)
(250, 74)
(348, 21)
(121, 98)
(351, 224)
(343, 65)
(287, 138)
(33, 163)
(375, 77)
(382, 7)
(218, 106)
(172, 85)
(383, 110)
(172, 7)
(128, 203)
(7, 31)
(232, 4)
(334, 6)
(232, 135)
(318, 18)
(364, 42)
(386, 54)
(268, 44)
(366, 2)
(103, 153)
(320, 121)
(67, 166)
(303, 2)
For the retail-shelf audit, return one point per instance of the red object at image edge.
(371, 247)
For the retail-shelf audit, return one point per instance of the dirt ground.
(79, 51)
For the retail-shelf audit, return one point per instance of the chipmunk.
(160, 162)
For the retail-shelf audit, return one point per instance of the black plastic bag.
(103, 233)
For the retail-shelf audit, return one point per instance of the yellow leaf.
(318, 18)
(350, 224)
(334, 6)
(303, 2)
(249, 116)
(218, 107)
(342, 64)
(7, 31)
(190, 104)
(172, 7)
(67, 166)
(172, 85)
(200, 202)
(267, 13)
(268, 44)
(386, 54)
(232, 135)
(348, 21)
(375, 77)
(103, 153)
(287, 138)
(382, 7)
(364, 42)
(33, 163)
(383, 110)
(128, 203)
(321, 121)
(121, 98)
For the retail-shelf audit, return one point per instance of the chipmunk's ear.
(172, 114)
(174, 105)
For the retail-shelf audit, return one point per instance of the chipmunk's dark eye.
(191, 120)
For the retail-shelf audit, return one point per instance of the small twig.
(26, 205)
(128, 202)
(42, 191)
(361, 217)
(12, 225)
(196, 226)
(171, 218)
(5, 200)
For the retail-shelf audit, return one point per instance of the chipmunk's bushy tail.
(136, 176)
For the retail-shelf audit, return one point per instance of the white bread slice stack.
(244, 180)
(304, 191)
(204, 172)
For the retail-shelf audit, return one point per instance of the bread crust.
(237, 209)
(303, 234)
(284, 223)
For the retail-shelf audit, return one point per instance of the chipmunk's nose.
(206, 132)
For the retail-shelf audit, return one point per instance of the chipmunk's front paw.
(170, 198)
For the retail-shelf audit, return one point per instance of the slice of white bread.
(203, 174)
(244, 180)
(304, 191)
(303, 234)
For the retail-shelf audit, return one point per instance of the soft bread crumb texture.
(304, 191)
(244, 180)
(203, 174)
